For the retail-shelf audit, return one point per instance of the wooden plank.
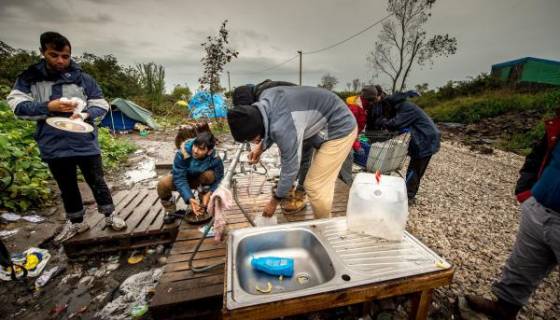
(183, 266)
(182, 257)
(342, 297)
(169, 296)
(189, 245)
(150, 217)
(187, 275)
(141, 212)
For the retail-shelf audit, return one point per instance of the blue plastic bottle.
(275, 266)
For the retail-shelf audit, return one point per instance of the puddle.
(144, 170)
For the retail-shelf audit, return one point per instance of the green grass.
(471, 109)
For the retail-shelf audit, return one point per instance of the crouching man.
(196, 166)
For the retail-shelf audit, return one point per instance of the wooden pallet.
(182, 294)
(143, 213)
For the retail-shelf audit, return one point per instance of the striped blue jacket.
(33, 90)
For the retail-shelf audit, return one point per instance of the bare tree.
(356, 85)
(403, 42)
(218, 54)
(328, 81)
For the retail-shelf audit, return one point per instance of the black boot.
(500, 309)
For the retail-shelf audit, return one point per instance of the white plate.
(69, 125)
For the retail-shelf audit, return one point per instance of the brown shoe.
(496, 309)
(294, 202)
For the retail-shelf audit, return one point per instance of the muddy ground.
(465, 211)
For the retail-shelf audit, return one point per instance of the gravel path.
(466, 212)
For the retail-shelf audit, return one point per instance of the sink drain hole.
(303, 278)
(346, 277)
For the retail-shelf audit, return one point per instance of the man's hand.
(79, 116)
(61, 106)
(206, 199)
(195, 205)
(270, 208)
(255, 155)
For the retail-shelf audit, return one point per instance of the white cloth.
(220, 201)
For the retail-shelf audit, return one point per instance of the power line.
(270, 68)
(349, 38)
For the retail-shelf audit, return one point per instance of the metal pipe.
(226, 183)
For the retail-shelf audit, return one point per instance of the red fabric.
(360, 115)
(521, 197)
(552, 128)
(356, 146)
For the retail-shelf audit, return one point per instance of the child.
(196, 166)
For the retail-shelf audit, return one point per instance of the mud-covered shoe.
(115, 222)
(69, 230)
(170, 205)
(294, 202)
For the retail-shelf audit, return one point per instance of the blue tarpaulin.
(200, 106)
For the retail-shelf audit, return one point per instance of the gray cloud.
(170, 33)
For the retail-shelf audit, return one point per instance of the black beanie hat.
(245, 123)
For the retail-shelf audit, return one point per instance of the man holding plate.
(52, 92)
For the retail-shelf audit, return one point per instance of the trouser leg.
(535, 253)
(346, 169)
(415, 171)
(165, 187)
(306, 158)
(92, 170)
(65, 175)
(321, 178)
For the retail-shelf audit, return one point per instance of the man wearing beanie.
(288, 116)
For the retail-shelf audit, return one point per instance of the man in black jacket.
(537, 247)
(424, 136)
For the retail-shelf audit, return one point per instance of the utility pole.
(300, 62)
(228, 82)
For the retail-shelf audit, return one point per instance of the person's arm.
(180, 179)
(218, 169)
(404, 117)
(23, 105)
(290, 151)
(529, 173)
(96, 105)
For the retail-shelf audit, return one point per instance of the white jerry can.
(378, 206)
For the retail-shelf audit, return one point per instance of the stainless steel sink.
(312, 265)
(326, 257)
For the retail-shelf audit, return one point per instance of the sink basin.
(312, 264)
(327, 257)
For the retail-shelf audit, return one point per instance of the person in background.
(290, 116)
(424, 136)
(537, 246)
(36, 96)
(196, 166)
(368, 96)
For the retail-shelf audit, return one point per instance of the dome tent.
(124, 114)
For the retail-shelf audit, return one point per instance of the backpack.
(249, 93)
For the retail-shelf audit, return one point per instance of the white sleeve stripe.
(16, 97)
(101, 103)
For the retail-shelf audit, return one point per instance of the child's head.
(189, 131)
(203, 144)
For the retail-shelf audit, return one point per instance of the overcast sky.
(267, 32)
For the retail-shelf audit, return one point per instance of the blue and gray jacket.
(36, 87)
(186, 167)
(424, 134)
(293, 115)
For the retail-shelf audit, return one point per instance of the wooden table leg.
(421, 302)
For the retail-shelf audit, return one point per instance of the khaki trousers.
(321, 178)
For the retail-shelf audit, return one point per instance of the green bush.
(471, 109)
(113, 151)
(19, 154)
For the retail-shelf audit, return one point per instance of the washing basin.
(312, 264)
(327, 257)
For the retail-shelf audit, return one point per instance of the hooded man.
(290, 116)
(424, 136)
